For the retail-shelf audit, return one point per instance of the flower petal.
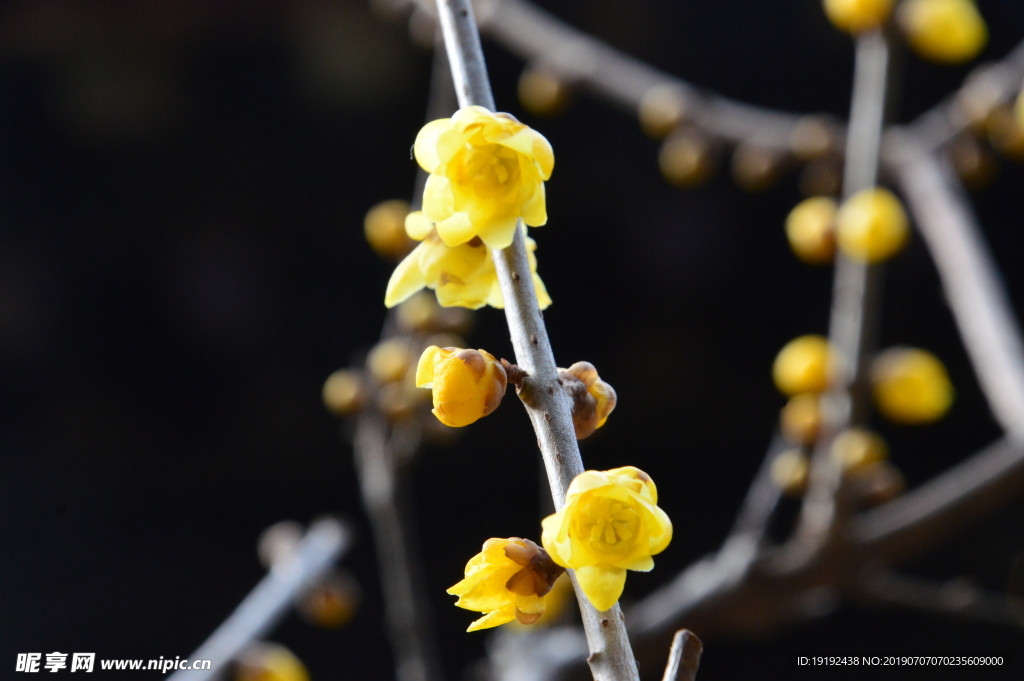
(601, 585)
(456, 229)
(417, 226)
(543, 154)
(534, 211)
(495, 618)
(499, 233)
(642, 564)
(587, 481)
(438, 199)
(425, 147)
(425, 370)
(521, 142)
(405, 280)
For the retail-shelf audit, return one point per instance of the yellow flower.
(804, 365)
(871, 225)
(610, 523)
(467, 384)
(487, 170)
(462, 276)
(911, 386)
(856, 16)
(507, 580)
(946, 31)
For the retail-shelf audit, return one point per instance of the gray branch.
(289, 577)
(683, 657)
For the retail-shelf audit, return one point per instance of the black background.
(182, 187)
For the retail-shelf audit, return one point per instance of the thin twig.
(855, 305)
(547, 404)
(975, 292)
(956, 598)
(289, 576)
(683, 657)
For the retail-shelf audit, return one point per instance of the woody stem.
(611, 658)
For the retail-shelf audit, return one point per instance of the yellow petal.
(641, 564)
(405, 280)
(521, 142)
(601, 585)
(499, 233)
(486, 593)
(555, 536)
(531, 605)
(425, 368)
(425, 148)
(438, 199)
(587, 481)
(417, 226)
(455, 229)
(493, 619)
(534, 211)
(659, 526)
(543, 299)
(543, 154)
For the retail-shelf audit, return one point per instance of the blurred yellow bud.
(871, 225)
(269, 662)
(332, 602)
(487, 171)
(384, 227)
(508, 580)
(856, 448)
(945, 31)
(911, 386)
(801, 418)
(1006, 132)
(856, 16)
(542, 93)
(467, 384)
(593, 399)
(685, 159)
(662, 110)
(755, 168)
(810, 228)
(610, 523)
(804, 365)
(389, 360)
(789, 471)
(344, 392)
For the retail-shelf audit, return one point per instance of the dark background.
(182, 187)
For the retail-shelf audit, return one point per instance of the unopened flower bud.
(812, 138)
(911, 386)
(344, 392)
(332, 602)
(592, 399)
(662, 109)
(810, 228)
(389, 360)
(789, 472)
(804, 365)
(857, 16)
(467, 384)
(801, 418)
(542, 93)
(269, 662)
(755, 168)
(686, 159)
(944, 31)
(871, 225)
(384, 227)
(855, 449)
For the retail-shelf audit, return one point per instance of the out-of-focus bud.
(419, 313)
(944, 31)
(801, 418)
(542, 93)
(911, 386)
(972, 162)
(384, 227)
(332, 602)
(662, 109)
(871, 225)
(686, 159)
(822, 177)
(344, 392)
(857, 16)
(1006, 133)
(810, 228)
(277, 541)
(755, 168)
(467, 384)
(789, 472)
(593, 399)
(855, 449)
(269, 662)
(804, 365)
(389, 360)
(812, 138)
(880, 482)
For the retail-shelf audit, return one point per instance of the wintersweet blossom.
(507, 580)
(610, 523)
(462, 275)
(487, 170)
(467, 384)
